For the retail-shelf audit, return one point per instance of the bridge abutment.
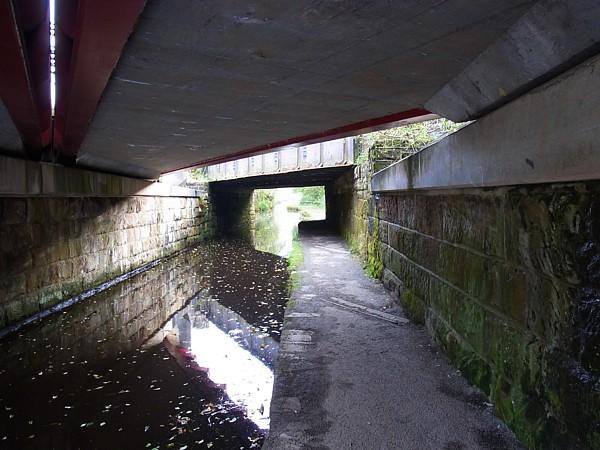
(234, 212)
(490, 239)
(63, 231)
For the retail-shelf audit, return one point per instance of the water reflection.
(221, 344)
(120, 370)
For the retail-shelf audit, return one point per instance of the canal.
(178, 356)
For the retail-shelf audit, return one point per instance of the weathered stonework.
(234, 212)
(351, 208)
(128, 314)
(53, 248)
(506, 279)
(347, 204)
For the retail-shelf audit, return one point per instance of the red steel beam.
(365, 126)
(25, 74)
(90, 36)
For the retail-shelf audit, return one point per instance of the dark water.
(180, 356)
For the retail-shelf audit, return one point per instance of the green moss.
(521, 412)
(553, 400)
(594, 440)
(374, 266)
(312, 196)
(413, 306)
(475, 369)
(263, 200)
(353, 246)
(294, 261)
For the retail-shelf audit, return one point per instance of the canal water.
(180, 355)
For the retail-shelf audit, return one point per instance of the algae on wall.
(374, 265)
(350, 203)
(506, 280)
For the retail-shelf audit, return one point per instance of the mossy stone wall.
(508, 281)
(349, 205)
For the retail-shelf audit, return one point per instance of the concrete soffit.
(547, 40)
(547, 135)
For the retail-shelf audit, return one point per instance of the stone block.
(75, 247)
(15, 285)
(33, 281)
(20, 263)
(475, 221)
(75, 228)
(550, 305)
(506, 348)
(65, 270)
(19, 308)
(50, 296)
(75, 208)
(37, 211)
(471, 364)
(544, 226)
(92, 207)
(13, 211)
(14, 240)
(392, 283)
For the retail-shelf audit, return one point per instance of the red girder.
(352, 129)
(25, 76)
(90, 36)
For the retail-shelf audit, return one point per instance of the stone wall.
(351, 209)
(52, 248)
(507, 280)
(118, 321)
(491, 239)
(233, 211)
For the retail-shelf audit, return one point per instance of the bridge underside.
(309, 177)
(154, 88)
(205, 80)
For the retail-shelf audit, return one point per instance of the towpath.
(353, 373)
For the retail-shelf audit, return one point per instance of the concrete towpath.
(353, 373)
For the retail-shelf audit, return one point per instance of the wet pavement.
(179, 356)
(347, 378)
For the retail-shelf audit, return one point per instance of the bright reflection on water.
(245, 378)
(220, 343)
